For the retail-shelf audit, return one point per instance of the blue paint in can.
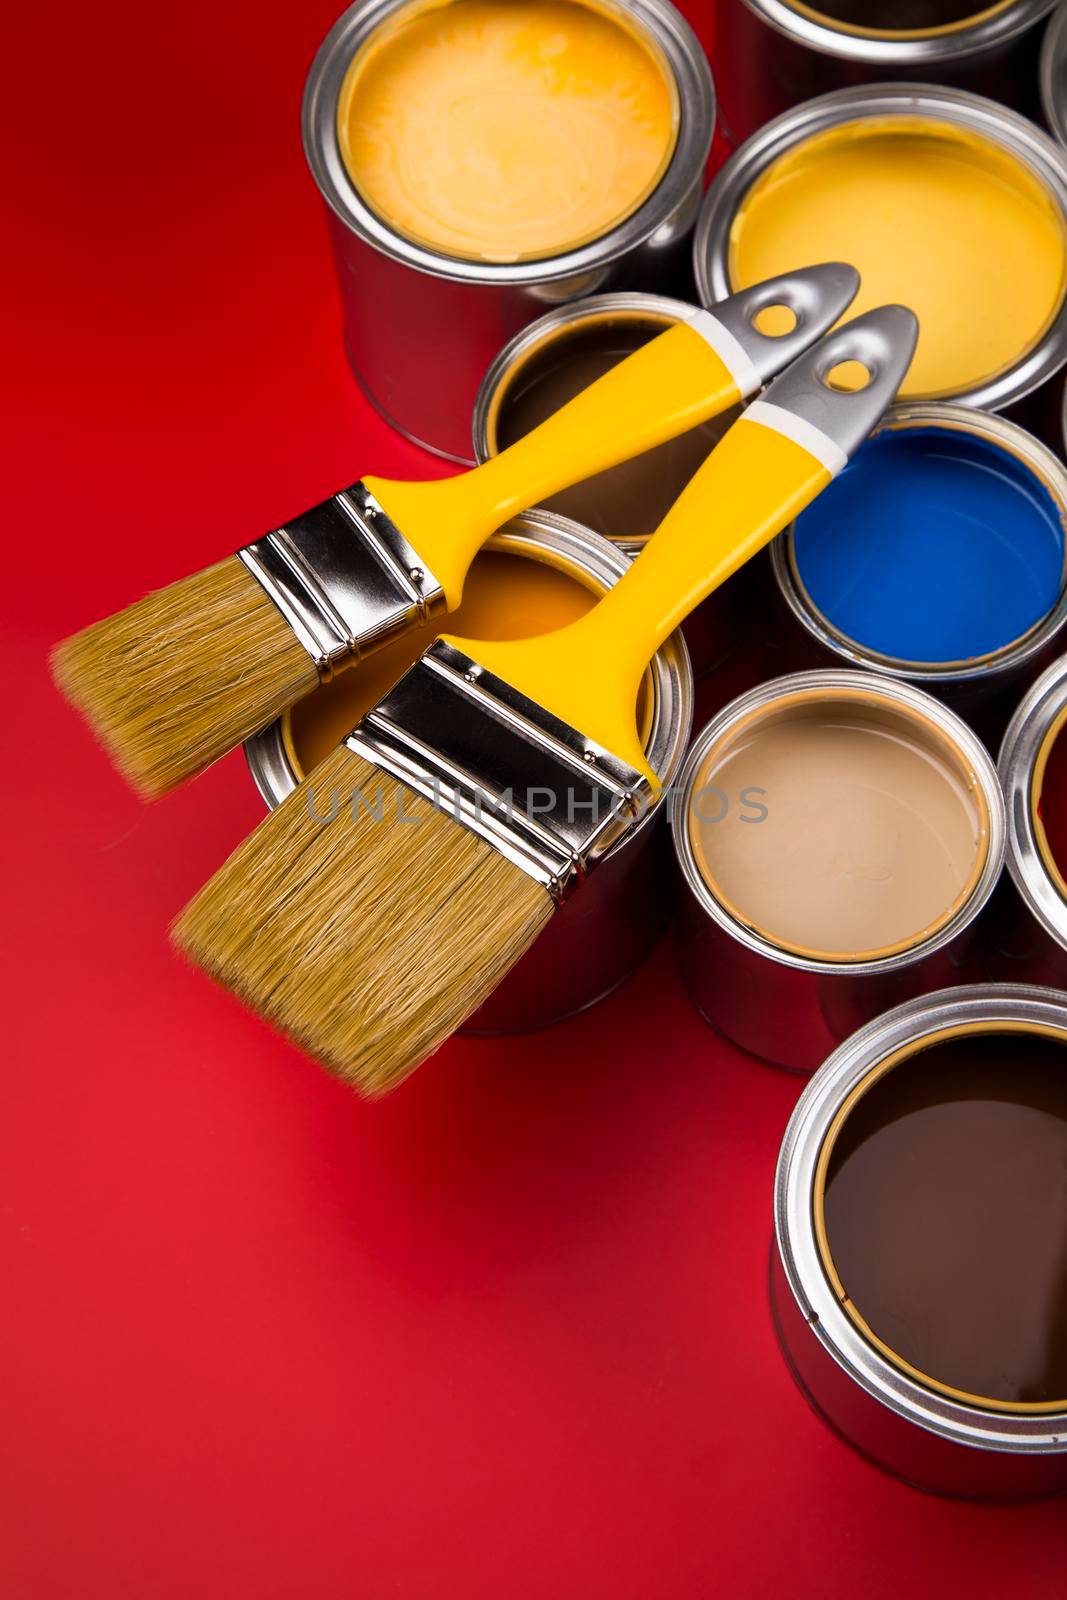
(933, 546)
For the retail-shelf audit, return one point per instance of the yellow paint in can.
(934, 217)
(506, 130)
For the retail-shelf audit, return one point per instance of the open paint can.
(1054, 75)
(939, 556)
(537, 573)
(483, 159)
(1027, 929)
(921, 1220)
(942, 200)
(772, 54)
(836, 835)
(549, 362)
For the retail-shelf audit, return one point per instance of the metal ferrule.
(544, 796)
(344, 578)
(625, 906)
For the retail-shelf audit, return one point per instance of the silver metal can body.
(714, 629)
(595, 941)
(788, 1009)
(1053, 75)
(421, 328)
(1026, 931)
(772, 54)
(921, 1435)
(1030, 378)
(982, 689)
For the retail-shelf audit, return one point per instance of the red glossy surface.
(505, 1334)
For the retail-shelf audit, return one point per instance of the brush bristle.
(180, 677)
(368, 938)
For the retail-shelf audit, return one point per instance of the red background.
(504, 1334)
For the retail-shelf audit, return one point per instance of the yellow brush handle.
(753, 484)
(668, 385)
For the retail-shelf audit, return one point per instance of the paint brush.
(176, 680)
(481, 791)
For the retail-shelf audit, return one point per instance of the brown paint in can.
(941, 1213)
(628, 501)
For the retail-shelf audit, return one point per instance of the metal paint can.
(553, 358)
(981, 687)
(594, 944)
(1053, 74)
(420, 328)
(932, 1435)
(1039, 159)
(1026, 936)
(787, 1007)
(772, 54)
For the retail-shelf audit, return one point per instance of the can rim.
(896, 1030)
(594, 557)
(1009, 657)
(1050, 69)
(899, 693)
(1024, 140)
(661, 22)
(1023, 740)
(992, 25)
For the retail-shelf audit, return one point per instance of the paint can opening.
(507, 133)
(940, 1213)
(627, 502)
(839, 826)
(937, 211)
(940, 550)
(900, 19)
